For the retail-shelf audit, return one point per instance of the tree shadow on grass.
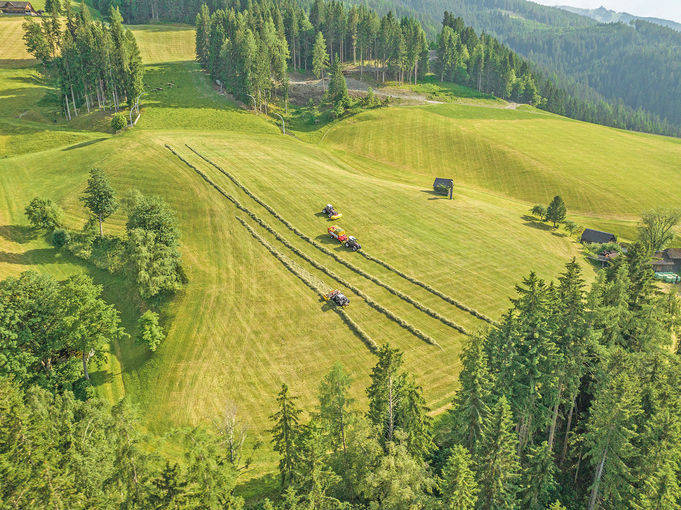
(101, 377)
(535, 223)
(39, 256)
(83, 144)
(256, 490)
(18, 233)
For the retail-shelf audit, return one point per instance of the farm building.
(596, 236)
(667, 261)
(17, 8)
(448, 183)
(443, 186)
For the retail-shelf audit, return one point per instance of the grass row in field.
(309, 282)
(430, 289)
(403, 296)
(404, 324)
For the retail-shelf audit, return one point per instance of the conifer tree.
(384, 391)
(498, 468)
(338, 88)
(471, 403)
(286, 434)
(539, 477)
(320, 58)
(611, 432)
(457, 484)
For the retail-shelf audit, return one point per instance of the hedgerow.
(350, 266)
(404, 324)
(287, 263)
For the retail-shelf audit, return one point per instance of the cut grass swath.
(310, 282)
(404, 324)
(430, 289)
(347, 264)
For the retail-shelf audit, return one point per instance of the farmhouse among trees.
(17, 9)
(667, 261)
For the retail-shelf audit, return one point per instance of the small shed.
(441, 184)
(596, 236)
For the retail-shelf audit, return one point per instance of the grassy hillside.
(527, 155)
(245, 323)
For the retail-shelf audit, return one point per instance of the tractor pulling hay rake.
(337, 297)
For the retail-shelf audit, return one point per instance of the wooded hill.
(248, 50)
(629, 66)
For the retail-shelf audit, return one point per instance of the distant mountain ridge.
(603, 15)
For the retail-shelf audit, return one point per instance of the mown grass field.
(244, 324)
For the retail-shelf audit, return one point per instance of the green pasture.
(244, 323)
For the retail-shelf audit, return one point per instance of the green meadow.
(245, 323)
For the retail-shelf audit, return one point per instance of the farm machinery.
(337, 297)
(331, 213)
(352, 243)
(337, 233)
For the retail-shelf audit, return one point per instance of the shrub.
(442, 189)
(118, 122)
(571, 227)
(149, 332)
(43, 214)
(338, 110)
(370, 99)
(60, 238)
(539, 211)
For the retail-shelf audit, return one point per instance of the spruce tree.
(539, 477)
(285, 434)
(338, 88)
(384, 391)
(611, 431)
(498, 468)
(457, 484)
(335, 404)
(320, 58)
(471, 403)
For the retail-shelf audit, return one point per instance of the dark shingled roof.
(443, 182)
(596, 236)
(16, 4)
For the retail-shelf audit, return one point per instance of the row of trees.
(96, 65)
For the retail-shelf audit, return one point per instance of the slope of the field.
(244, 323)
(527, 155)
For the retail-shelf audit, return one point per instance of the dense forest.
(250, 51)
(573, 401)
(629, 72)
(96, 65)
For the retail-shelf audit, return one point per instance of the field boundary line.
(404, 324)
(303, 236)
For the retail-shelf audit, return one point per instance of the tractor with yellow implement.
(337, 297)
(331, 213)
